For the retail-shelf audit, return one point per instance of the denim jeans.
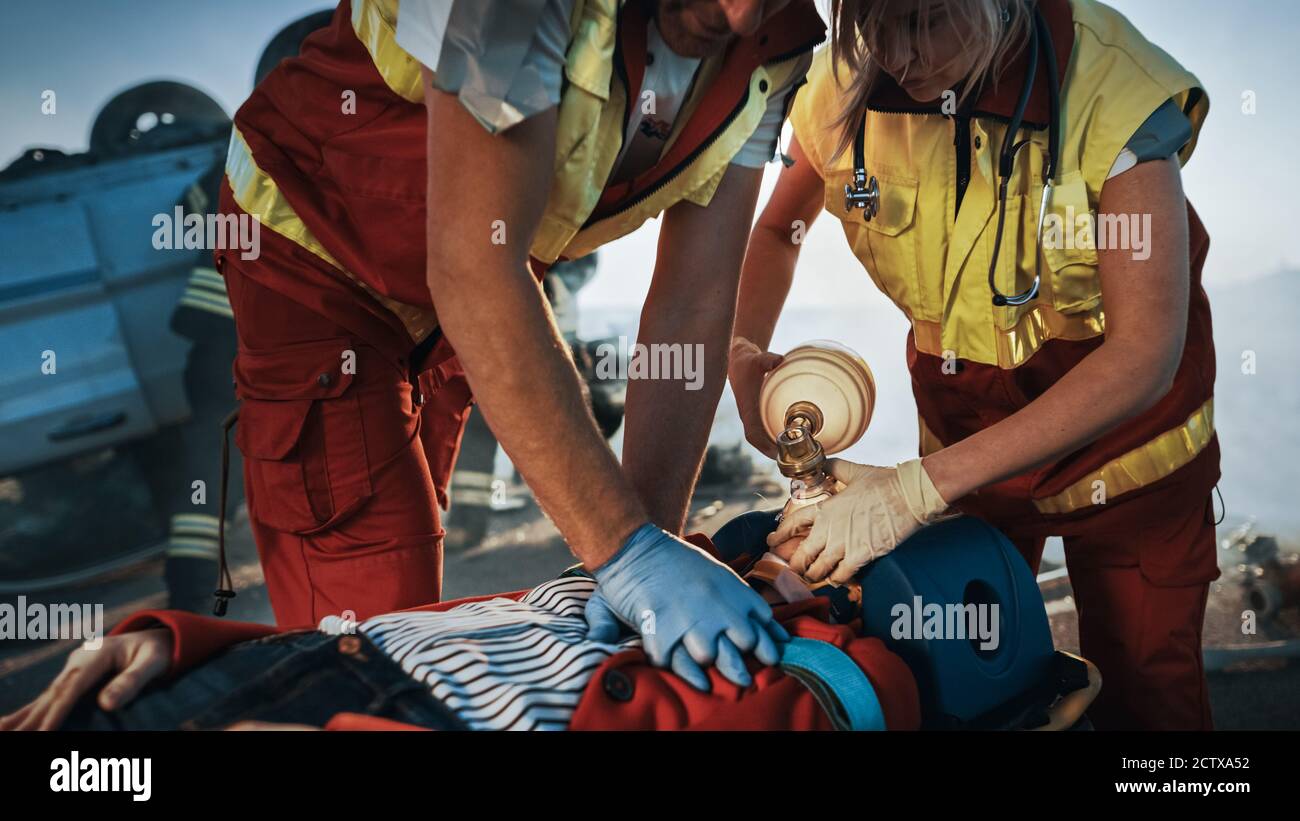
(304, 677)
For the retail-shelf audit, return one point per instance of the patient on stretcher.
(772, 576)
(770, 573)
(511, 662)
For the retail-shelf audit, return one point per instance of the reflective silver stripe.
(207, 302)
(197, 548)
(472, 496)
(209, 278)
(200, 524)
(472, 478)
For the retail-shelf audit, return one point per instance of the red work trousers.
(1139, 624)
(347, 452)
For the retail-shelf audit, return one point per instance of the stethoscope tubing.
(864, 193)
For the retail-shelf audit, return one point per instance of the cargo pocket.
(301, 434)
(447, 398)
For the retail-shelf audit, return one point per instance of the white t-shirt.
(505, 61)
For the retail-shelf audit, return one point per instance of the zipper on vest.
(677, 169)
(689, 158)
(961, 145)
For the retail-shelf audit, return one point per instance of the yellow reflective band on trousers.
(1155, 460)
(1141, 466)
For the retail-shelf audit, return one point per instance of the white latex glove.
(877, 509)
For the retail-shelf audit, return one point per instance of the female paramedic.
(1007, 171)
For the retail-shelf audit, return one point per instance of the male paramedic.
(418, 168)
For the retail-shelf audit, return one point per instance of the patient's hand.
(262, 726)
(131, 659)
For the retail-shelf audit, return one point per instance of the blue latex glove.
(690, 610)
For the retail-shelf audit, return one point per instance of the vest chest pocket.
(1016, 256)
(1069, 259)
(1069, 246)
(885, 245)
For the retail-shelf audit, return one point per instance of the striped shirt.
(501, 664)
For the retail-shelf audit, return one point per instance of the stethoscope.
(864, 192)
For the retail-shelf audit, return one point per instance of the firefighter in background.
(1039, 412)
(204, 317)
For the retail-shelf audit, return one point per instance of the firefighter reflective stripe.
(194, 535)
(206, 291)
(840, 686)
(1141, 466)
(472, 487)
(375, 24)
(258, 195)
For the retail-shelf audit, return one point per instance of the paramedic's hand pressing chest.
(492, 165)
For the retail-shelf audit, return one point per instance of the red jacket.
(656, 699)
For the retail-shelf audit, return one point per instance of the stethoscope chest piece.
(863, 194)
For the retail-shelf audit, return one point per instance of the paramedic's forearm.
(1146, 301)
(495, 316)
(691, 304)
(764, 283)
(1109, 386)
(530, 394)
(774, 247)
(668, 420)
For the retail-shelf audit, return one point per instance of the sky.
(1242, 179)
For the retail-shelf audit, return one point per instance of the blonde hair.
(992, 31)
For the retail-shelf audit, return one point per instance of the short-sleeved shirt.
(1163, 135)
(504, 59)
